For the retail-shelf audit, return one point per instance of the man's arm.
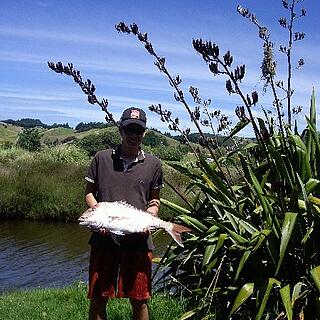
(154, 202)
(89, 195)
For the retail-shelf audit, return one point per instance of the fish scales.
(121, 218)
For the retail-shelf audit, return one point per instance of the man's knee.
(139, 305)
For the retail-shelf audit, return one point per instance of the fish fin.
(175, 233)
(117, 232)
(126, 204)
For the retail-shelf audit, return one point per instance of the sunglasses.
(136, 131)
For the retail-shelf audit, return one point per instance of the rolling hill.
(9, 134)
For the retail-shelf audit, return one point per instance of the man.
(129, 174)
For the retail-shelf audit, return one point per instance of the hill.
(61, 135)
(8, 133)
(56, 136)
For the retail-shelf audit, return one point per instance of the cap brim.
(133, 121)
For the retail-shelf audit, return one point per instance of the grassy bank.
(46, 185)
(49, 185)
(71, 303)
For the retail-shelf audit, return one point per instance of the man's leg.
(139, 309)
(97, 309)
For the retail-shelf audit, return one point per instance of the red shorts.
(119, 273)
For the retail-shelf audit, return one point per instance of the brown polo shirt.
(115, 182)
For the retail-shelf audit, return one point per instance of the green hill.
(54, 136)
(8, 133)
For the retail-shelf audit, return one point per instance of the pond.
(42, 254)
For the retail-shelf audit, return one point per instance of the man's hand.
(103, 231)
(145, 232)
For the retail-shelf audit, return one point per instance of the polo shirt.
(115, 182)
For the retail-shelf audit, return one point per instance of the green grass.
(56, 135)
(71, 303)
(42, 186)
(8, 133)
(42, 191)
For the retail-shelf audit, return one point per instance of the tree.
(169, 153)
(35, 123)
(25, 122)
(153, 139)
(91, 125)
(29, 139)
(95, 142)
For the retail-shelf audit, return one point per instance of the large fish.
(121, 218)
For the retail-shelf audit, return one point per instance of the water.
(42, 254)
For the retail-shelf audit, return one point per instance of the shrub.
(65, 154)
(41, 188)
(10, 155)
(168, 153)
(99, 141)
(29, 139)
(91, 125)
(6, 145)
(153, 139)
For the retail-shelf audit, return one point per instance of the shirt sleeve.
(92, 171)
(157, 182)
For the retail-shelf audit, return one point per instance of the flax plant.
(254, 250)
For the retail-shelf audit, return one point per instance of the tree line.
(34, 123)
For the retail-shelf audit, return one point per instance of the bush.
(99, 141)
(65, 154)
(43, 185)
(13, 154)
(169, 153)
(29, 139)
(153, 139)
(42, 189)
(91, 125)
(6, 145)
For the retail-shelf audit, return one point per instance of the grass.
(56, 135)
(42, 186)
(42, 191)
(71, 303)
(8, 133)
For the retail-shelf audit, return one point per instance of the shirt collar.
(116, 152)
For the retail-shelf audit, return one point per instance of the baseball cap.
(133, 116)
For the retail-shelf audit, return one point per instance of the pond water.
(42, 254)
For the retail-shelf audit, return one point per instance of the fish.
(120, 218)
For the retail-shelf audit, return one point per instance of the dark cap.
(133, 116)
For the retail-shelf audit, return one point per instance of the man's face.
(132, 135)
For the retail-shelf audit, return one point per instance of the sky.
(33, 32)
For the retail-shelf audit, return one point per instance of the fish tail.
(175, 231)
